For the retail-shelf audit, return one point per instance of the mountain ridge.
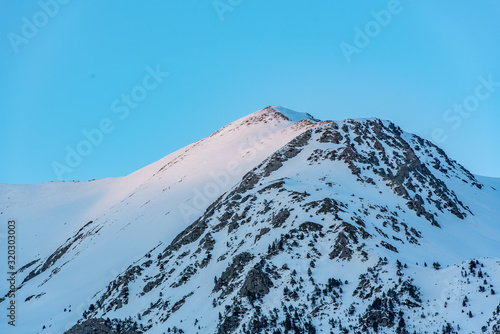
(258, 282)
(420, 195)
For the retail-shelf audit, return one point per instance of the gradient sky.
(229, 58)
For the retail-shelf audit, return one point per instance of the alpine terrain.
(276, 223)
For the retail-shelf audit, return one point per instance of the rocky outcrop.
(257, 284)
(101, 326)
(232, 272)
(82, 233)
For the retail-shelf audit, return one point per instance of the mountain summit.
(292, 115)
(277, 223)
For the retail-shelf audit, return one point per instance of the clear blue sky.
(69, 67)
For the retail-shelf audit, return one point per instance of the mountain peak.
(290, 115)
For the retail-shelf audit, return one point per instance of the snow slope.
(128, 214)
(274, 221)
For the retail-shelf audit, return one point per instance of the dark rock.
(232, 272)
(256, 285)
(101, 326)
(275, 185)
(261, 233)
(378, 318)
(280, 218)
(187, 236)
(389, 246)
(310, 227)
(207, 242)
(185, 275)
(329, 136)
(59, 253)
(152, 284)
(249, 181)
(181, 302)
(341, 249)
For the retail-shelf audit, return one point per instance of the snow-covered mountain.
(277, 223)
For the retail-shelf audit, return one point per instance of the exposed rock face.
(85, 231)
(232, 272)
(188, 236)
(290, 150)
(341, 249)
(101, 326)
(257, 284)
(310, 227)
(389, 246)
(280, 218)
(382, 149)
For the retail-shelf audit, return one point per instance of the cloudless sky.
(228, 58)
